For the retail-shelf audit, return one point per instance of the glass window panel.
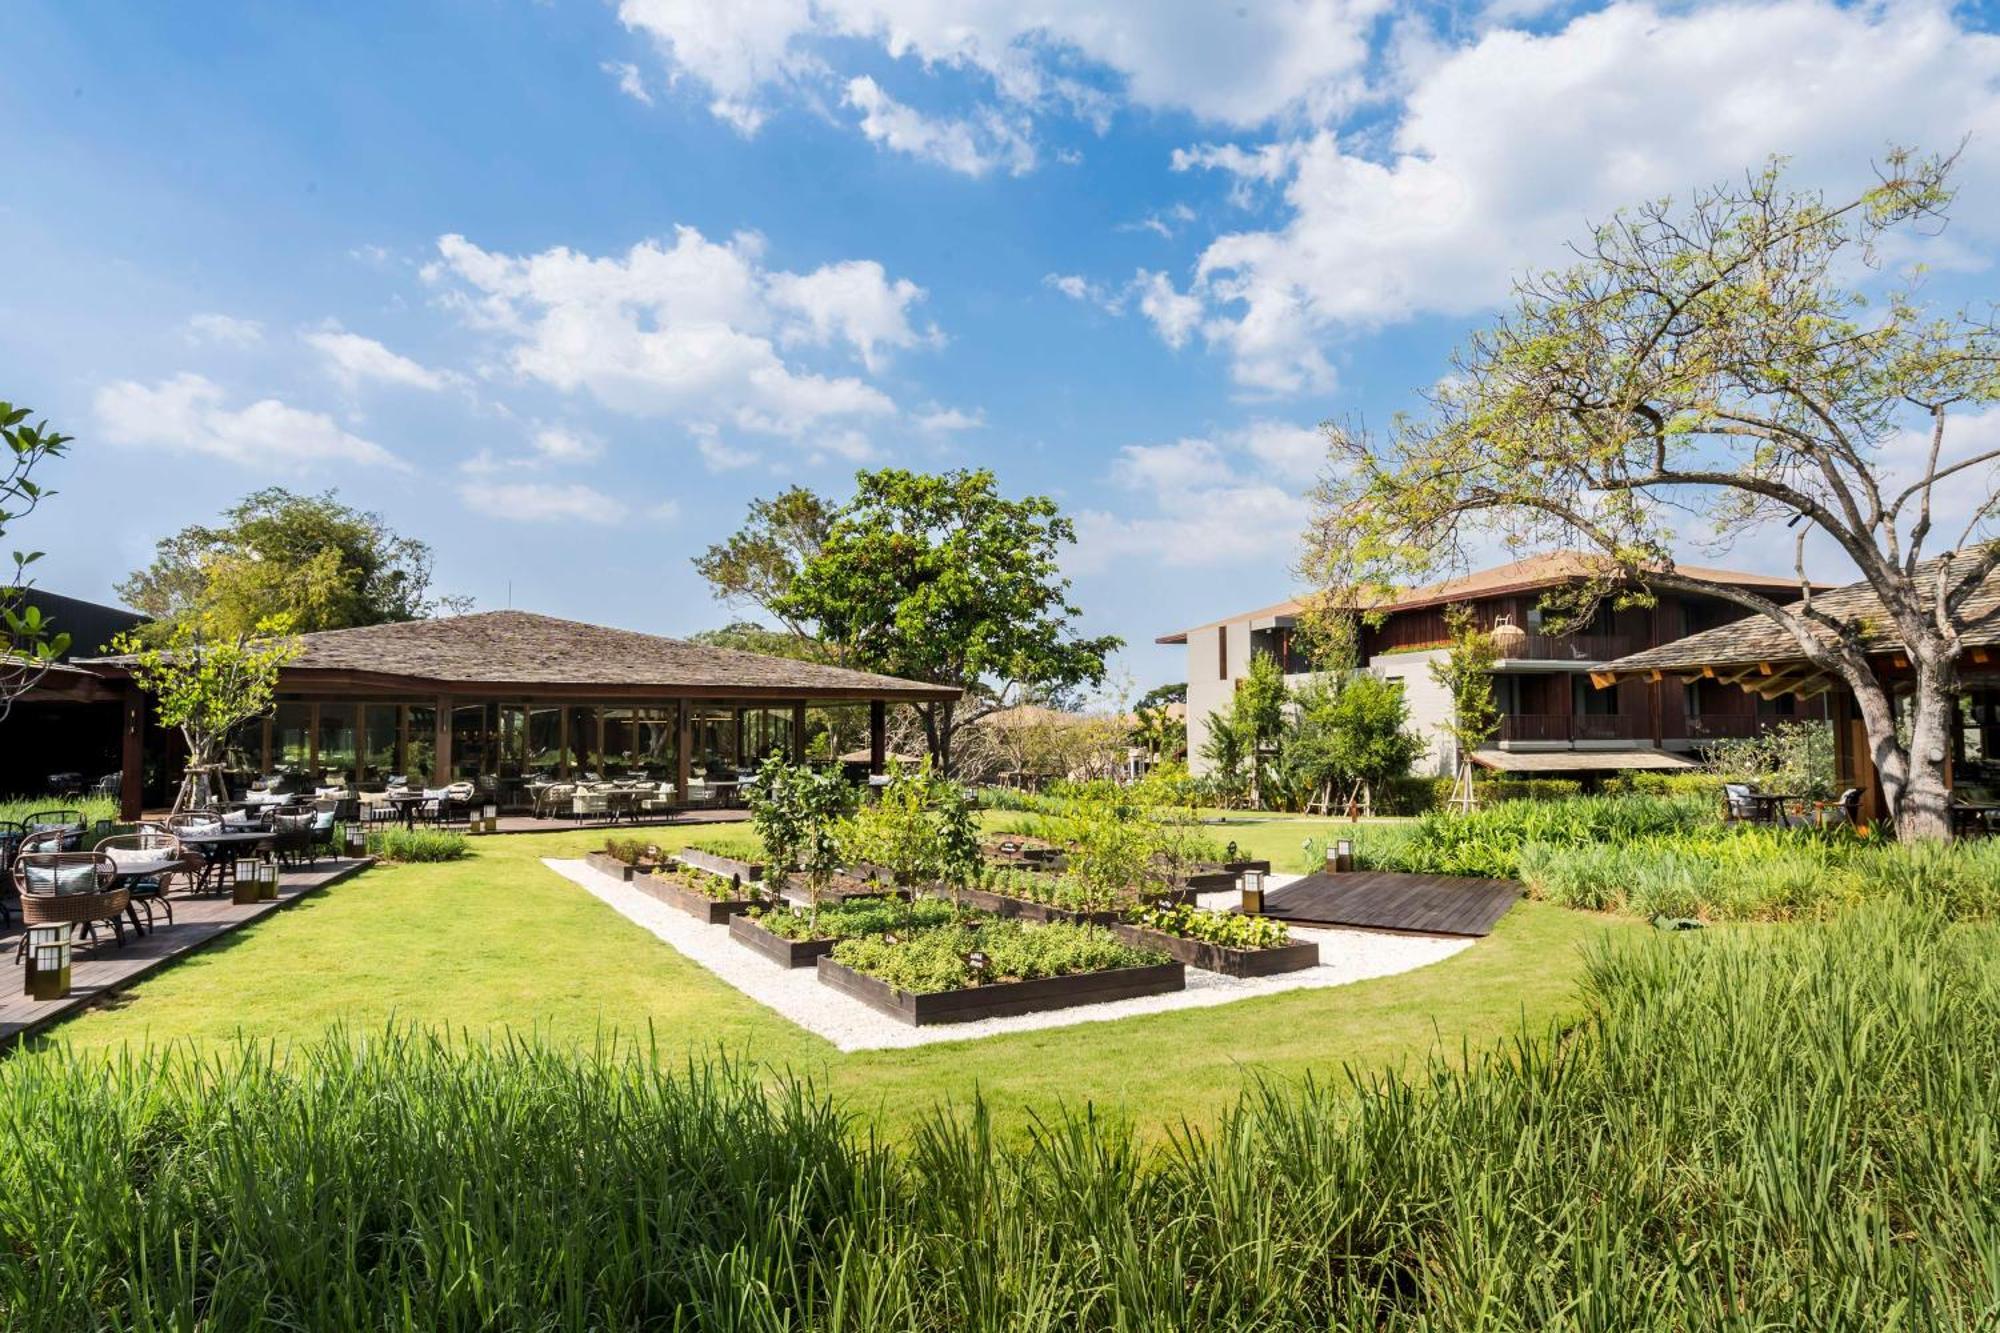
(469, 756)
(714, 736)
(337, 754)
(378, 743)
(620, 743)
(583, 760)
(420, 757)
(243, 752)
(290, 746)
(511, 740)
(544, 742)
(658, 731)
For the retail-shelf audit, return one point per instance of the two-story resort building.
(1553, 719)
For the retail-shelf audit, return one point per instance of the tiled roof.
(494, 648)
(1536, 572)
(1758, 638)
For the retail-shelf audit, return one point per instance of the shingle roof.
(492, 648)
(1549, 570)
(1757, 638)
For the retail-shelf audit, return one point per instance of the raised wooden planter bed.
(1027, 909)
(1006, 998)
(1211, 881)
(1294, 957)
(715, 863)
(842, 892)
(612, 866)
(698, 905)
(785, 953)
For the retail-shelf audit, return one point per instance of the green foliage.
(16, 809)
(29, 642)
(1227, 929)
(1466, 674)
(634, 850)
(1109, 841)
(1488, 842)
(1792, 757)
(941, 959)
(800, 815)
(1243, 738)
(1664, 784)
(852, 920)
(758, 564)
(1343, 730)
(309, 560)
(1774, 1129)
(207, 676)
(395, 843)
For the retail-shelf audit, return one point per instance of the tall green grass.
(1750, 1130)
(394, 843)
(16, 809)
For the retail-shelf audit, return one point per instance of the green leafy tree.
(1169, 801)
(29, 642)
(1350, 733)
(208, 677)
(308, 559)
(1242, 745)
(937, 578)
(1728, 365)
(960, 855)
(1466, 673)
(1159, 722)
(800, 813)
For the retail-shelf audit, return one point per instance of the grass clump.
(16, 809)
(941, 959)
(1745, 1130)
(416, 844)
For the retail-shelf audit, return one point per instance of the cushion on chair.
(80, 877)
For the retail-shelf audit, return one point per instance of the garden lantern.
(267, 881)
(244, 875)
(1253, 893)
(48, 960)
(489, 817)
(1343, 855)
(357, 840)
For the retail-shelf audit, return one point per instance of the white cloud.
(1231, 498)
(560, 444)
(971, 147)
(1174, 314)
(187, 413)
(223, 330)
(1508, 148)
(949, 420)
(538, 502)
(1079, 288)
(1239, 65)
(354, 360)
(690, 330)
(629, 80)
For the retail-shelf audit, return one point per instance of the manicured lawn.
(500, 943)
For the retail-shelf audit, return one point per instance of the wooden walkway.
(1388, 900)
(102, 968)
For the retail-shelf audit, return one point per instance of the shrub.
(854, 919)
(16, 809)
(1224, 928)
(634, 851)
(1647, 783)
(1486, 843)
(939, 960)
(416, 844)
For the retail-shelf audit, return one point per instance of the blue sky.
(561, 286)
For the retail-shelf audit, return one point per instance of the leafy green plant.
(854, 919)
(1228, 929)
(947, 958)
(800, 815)
(417, 844)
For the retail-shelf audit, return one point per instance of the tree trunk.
(1913, 777)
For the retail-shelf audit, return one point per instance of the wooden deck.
(1388, 900)
(101, 969)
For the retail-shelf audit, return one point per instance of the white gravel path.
(1345, 956)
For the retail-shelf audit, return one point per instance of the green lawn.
(500, 943)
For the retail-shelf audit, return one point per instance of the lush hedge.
(1750, 1130)
(1420, 796)
(850, 920)
(416, 844)
(1487, 842)
(16, 809)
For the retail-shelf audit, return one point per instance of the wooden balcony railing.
(1575, 727)
(1576, 647)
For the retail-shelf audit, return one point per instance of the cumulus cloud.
(1237, 65)
(541, 502)
(1507, 148)
(354, 360)
(971, 147)
(630, 82)
(189, 413)
(222, 330)
(1229, 498)
(949, 421)
(694, 330)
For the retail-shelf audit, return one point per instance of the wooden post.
(683, 743)
(132, 756)
(799, 732)
(442, 763)
(878, 737)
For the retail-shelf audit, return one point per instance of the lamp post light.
(1341, 859)
(48, 961)
(243, 877)
(357, 839)
(1253, 893)
(489, 818)
(267, 881)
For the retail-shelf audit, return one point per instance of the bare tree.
(1707, 371)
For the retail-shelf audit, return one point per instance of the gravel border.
(796, 993)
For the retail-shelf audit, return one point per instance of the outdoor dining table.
(1974, 816)
(219, 849)
(407, 804)
(1771, 807)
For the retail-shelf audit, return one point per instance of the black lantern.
(48, 960)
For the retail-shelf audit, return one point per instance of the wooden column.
(132, 756)
(683, 743)
(442, 763)
(878, 737)
(799, 732)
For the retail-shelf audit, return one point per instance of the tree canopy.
(309, 559)
(28, 642)
(1701, 373)
(932, 577)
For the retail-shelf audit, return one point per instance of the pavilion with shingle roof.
(499, 698)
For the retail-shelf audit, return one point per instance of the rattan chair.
(149, 844)
(71, 888)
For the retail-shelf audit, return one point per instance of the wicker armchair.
(149, 857)
(292, 836)
(68, 823)
(74, 888)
